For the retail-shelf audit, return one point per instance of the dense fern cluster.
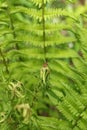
(43, 66)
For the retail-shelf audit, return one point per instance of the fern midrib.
(79, 117)
(44, 35)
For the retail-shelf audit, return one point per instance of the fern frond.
(37, 14)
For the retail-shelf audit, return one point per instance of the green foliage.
(43, 61)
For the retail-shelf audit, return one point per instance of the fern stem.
(4, 61)
(11, 23)
(35, 97)
(10, 18)
(44, 35)
(12, 26)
